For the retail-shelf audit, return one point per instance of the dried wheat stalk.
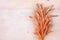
(43, 19)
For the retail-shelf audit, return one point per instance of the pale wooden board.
(15, 23)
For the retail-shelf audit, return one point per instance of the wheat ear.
(43, 19)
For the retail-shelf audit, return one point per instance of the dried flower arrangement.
(43, 19)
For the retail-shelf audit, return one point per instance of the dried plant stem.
(43, 19)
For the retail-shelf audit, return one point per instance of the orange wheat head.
(43, 19)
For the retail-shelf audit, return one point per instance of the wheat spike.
(43, 19)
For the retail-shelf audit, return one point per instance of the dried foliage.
(43, 19)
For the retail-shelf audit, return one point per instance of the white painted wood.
(15, 23)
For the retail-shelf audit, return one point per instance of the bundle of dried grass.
(43, 19)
